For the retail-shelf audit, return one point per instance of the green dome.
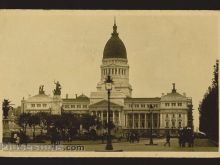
(114, 48)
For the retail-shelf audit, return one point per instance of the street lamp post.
(151, 125)
(108, 87)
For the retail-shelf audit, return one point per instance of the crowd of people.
(186, 135)
(19, 137)
(132, 137)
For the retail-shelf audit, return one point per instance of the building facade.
(169, 112)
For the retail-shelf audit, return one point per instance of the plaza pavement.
(200, 145)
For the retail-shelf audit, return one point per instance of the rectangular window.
(38, 105)
(84, 106)
(142, 119)
(130, 120)
(78, 106)
(136, 120)
(32, 105)
(173, 104)
(44, 105)
(166, 115)
(72, 106)
(167, 104)
(136, 105)
(66, 106)
(179, 104)
(142, 105)
(180, 115)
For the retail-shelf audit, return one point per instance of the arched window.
(180, 124)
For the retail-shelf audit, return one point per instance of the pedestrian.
(180, 137)
(18, 140)
(103, 138)
(167, 139)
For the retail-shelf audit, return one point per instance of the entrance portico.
(100, 110)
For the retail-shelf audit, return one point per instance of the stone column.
(152, 120)
(102, 116)
(119, 118)
(133, 120)
(161, 120)
(145, 120)
(139, 120)
(158, 120)
(113, 116)
(125, 116)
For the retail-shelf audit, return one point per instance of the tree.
(87, 121)
(111, 125)
(33, 121)
(6, 107)
(23, 120)
(209, 110)
(44, 120)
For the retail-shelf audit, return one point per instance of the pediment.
(104, 103)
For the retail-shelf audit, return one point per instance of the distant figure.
(18, 142)
(167, 139)
(119, 138)
(23, 137)
(180, 137)
(103, 138)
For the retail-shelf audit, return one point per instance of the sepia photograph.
(109, 83)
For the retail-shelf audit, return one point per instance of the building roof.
(142, 99)
(39, 98)
(114, 47)
(82, 97)
(173, 96)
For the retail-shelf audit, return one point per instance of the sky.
(163, 47)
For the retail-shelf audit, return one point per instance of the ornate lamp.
(108, 87)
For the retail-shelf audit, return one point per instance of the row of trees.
(66, 121)
(209, 110)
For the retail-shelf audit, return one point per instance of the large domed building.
(169, 112)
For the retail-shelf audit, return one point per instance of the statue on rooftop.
(41, 89)
(57, 90)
